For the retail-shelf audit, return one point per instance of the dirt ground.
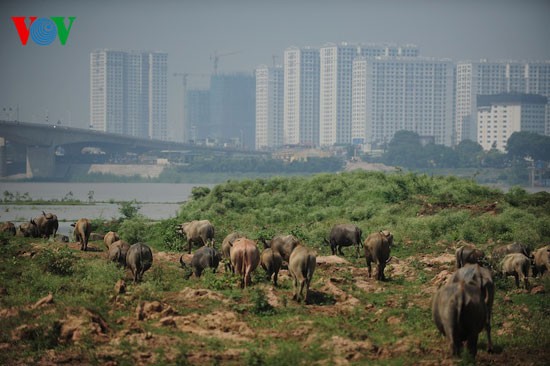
(338, 290)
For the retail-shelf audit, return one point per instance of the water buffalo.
(204, 257)
(460, 314)
(301, 266)
(482, 278)
(226, 250)
(283, 244)
(47, 224)
(29, 229)
(245, 257)
(139, 259)
(345, 235)
(377, 250)
(110, 238)
(499, 253)
(271, 262)
(542, 261)
(200, 232)
(8, 227)
(82, 230)
(118, 251)
(468, 254)
(517, 265)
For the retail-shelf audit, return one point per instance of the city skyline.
(53, 80)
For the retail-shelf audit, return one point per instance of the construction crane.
(216, 58)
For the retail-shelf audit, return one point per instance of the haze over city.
(54, 80)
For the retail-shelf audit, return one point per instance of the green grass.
(391, 315)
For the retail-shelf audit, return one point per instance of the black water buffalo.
(344, 235)
(460, 314)
(482, 278)
(204, 257)
(139, 259)
(283, 244)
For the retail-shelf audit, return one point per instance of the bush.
(129, 209)
(134, 230)
(59, 261)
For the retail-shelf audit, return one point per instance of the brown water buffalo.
(283, 244)
(226, 250)
(139, 259)
(29, 230)
(542, 261)
(82, 230)
(8, 227)
(271, 262)
(199, 232)
(517, 265)
(468, 254)
(118, 251)
(301, 266)
(110, 238)
(245, 257)
(377, 250)
(482, 278)
(204, 257)
(459, 312)
(344, 235)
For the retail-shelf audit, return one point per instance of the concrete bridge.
(42, 140)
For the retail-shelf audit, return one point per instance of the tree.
(469, 153)
(404, 149)
(529, 144)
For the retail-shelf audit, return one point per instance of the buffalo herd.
(461, 308)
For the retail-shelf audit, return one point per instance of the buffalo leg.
(472, 344)
(516, 277)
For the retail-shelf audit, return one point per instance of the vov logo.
(43, 31)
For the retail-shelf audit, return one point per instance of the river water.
(156, 200)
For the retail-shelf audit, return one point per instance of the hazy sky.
(56, 78)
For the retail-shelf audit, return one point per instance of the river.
(156, 200)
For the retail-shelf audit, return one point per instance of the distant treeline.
(407, 151)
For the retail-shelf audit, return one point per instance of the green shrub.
(260, 305)
(129, 209)
(59, 261)
(134, 230)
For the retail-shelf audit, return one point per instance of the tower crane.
(216, 58)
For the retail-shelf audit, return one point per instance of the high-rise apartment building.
(232, 109)
(336, 75)
(269, 107)
(495, 77)
(197, 114)
(401, 93)
(128, 93)
(500, 115)
(335, 93)
(301, 96)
